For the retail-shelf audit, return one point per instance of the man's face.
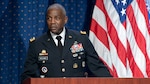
(56, 20)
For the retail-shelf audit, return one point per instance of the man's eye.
(57, 18)
(48, 18)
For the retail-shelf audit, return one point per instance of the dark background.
(22, 19)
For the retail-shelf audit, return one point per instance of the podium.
(87, 81)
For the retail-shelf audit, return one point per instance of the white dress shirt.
(62, 34)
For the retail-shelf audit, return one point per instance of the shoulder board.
(32, 39)
(82, 32)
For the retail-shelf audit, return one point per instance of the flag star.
(124, 2)
(123, 11)
(148, 7)
(117, 1)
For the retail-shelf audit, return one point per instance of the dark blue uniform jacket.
(78, 59)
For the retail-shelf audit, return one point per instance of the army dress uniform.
(78, 58)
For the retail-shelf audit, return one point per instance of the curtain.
(22, 19)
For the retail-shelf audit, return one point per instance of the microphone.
(86, 74)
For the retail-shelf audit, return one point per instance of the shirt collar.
(62, 34)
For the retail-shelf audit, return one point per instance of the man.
(75, 57)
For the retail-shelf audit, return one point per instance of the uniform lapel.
(49, 43)
(69, 40)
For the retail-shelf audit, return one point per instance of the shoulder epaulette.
(82, 32)
(32, 39)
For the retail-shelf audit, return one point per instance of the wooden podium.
(87, 81)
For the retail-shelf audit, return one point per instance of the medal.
(43, 53)
(76, 47)
(44, 69)
(43, 56)
(75, 65)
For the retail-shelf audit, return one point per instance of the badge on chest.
(76, 47)
(43, 56)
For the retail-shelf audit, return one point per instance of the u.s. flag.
(119, 33)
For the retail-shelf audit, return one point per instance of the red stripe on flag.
(100, 33)
(137, 33)
(141, 41)
(113, 34)
(115, 39)
(144, 10)
(135, 69)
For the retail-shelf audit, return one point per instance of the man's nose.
(53, 20)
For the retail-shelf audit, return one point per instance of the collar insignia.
(70, 37)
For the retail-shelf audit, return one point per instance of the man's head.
(56, 18)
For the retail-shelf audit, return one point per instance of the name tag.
(43, 58)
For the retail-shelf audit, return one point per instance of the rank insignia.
(82, 32)
(32, 39)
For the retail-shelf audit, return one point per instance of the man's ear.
(66, 19)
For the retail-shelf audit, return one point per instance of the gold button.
(63, 69)
(83, 64)
(62, 61)
(79, 57)
(75, 65)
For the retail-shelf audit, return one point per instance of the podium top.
(87, 81)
